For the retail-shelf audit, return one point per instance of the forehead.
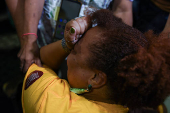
(82, 47)
(92, 35)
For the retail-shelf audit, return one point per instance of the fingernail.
(72, 30)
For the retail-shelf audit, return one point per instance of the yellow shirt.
(44, 92)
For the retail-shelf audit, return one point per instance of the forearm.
(26, 15)
(32, 13)
(123, 10)
(53, 54)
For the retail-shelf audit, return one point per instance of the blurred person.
(113, 67)
(25, 15)
(36, 17)
(28, 13)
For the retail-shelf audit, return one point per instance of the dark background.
(9, 63)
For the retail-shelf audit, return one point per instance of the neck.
(98, 95)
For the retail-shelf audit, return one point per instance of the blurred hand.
(75, 29)
(29, 53)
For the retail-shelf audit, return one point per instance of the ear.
(98, 80)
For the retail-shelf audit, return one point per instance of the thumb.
(71, 35)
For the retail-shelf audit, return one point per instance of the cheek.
(77, 75)
(77, 78)
(73, 72)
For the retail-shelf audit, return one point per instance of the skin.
(121, 8)
(80, 75)
(55, 60)
(77, 68)
(26, 15)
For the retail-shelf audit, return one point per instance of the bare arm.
(26, 15)
(53, 54)
(51, 58)
(123, 10)
(32, 13)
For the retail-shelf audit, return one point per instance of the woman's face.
(78, 72)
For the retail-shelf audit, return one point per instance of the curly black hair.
(137, 65)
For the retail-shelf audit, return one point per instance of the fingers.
(80, 25)
(22, 62)
(25, 64)
(26, 60)
(70, 35)
(28, 55)
(75, 28)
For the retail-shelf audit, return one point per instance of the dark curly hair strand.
(137, 65)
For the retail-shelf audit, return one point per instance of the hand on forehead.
(75, 28)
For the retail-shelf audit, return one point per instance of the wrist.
(65, 46)
(29, 38)
(69, 45)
